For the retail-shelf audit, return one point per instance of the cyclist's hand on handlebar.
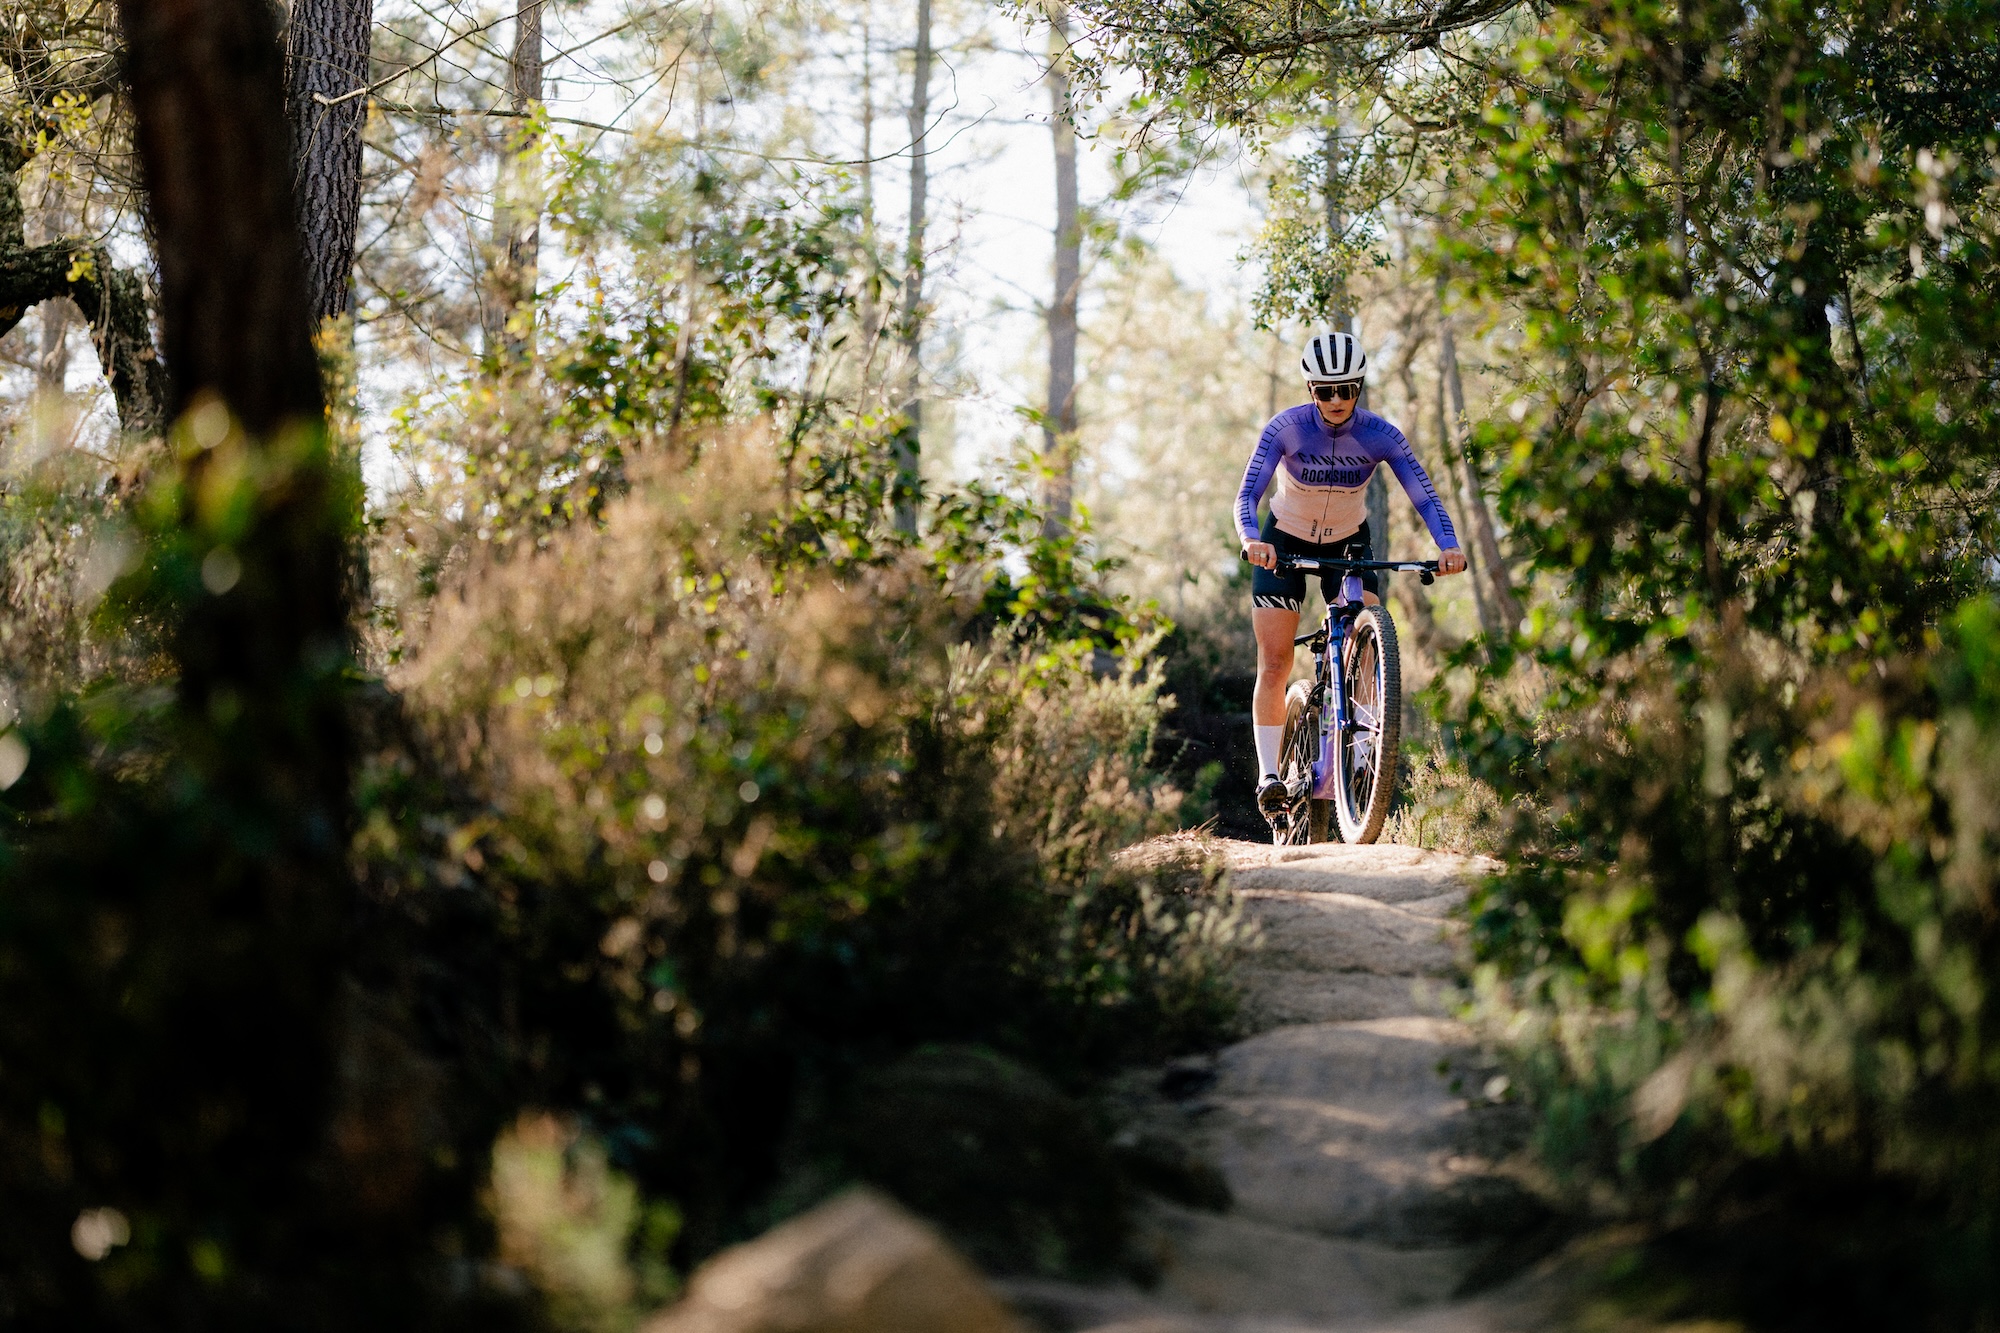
(1262, 554)
(1451, 561)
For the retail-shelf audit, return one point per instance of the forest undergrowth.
(670, 793)
(824, 851)
(693, 864)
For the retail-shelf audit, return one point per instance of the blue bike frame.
(1335, 720)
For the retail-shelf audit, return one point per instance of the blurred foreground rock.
(1013, 1171)
(855, 1264)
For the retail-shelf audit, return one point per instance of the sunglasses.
(1336, 393)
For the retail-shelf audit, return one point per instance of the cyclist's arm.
(1416, 482)
(1256, 480)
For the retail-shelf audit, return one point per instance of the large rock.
(855, 1264)
(1018, 1174)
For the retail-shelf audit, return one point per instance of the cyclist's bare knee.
(1274, 628)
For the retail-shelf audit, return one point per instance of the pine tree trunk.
(517, 216)
(251, 899)
(871, 304)
(1482, 600)
(206, 86)
(326, 70)
(1059, 425)
(1341, 315)
(1493, 566)
(907, 487)
(1378, 515)
(52, 360)
(1411, 595)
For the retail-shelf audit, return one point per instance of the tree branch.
(114, 303)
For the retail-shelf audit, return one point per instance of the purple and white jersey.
(1323, 474)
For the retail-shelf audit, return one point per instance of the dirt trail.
(1357, 1126)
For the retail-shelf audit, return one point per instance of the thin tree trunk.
(52, 361)
(1424, 629)
(907, 489)
(871, 303)
(326, 67)
(1506, 606)
(1341, 314)
(1271, 372)
(1482, 600)
(1411, 595)
(517, 221)
(1059, 425)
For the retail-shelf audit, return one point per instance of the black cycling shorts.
(1287, 592)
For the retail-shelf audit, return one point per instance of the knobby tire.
(1308, 819)
(1367, 757)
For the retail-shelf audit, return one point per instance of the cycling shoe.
(1272, 797)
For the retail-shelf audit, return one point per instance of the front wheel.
(1305, 820)
(1366, 754)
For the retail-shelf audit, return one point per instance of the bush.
(1440, 805)
(1753, 979)
(756, 828)
(672, 836)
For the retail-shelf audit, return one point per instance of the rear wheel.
(1305, 819)
(1366, 753)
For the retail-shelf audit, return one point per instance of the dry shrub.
(761, 827)
(1440, 805)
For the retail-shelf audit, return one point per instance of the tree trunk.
(1341, 316)
(871, 305)
(907, 487)
(206, 86)
(1378, 514)
(52, 363)
(246, 907)
(1456, 477)
(1479, 518)
(517, 215)
(1059, 424)
(326, 69)
(1412, 596)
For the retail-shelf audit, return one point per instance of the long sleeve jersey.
(1323, 473)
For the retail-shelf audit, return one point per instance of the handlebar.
(1426, 570)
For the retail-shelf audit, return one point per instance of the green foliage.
(1802, 1012)
(211, 1116)
(1737, 268)
(731, 282)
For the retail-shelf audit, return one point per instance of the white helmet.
(1333, 357)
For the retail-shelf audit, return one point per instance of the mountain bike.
(1338, 755)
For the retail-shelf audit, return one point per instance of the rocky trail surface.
(1362, 1136)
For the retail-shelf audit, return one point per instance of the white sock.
(1268, 740)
